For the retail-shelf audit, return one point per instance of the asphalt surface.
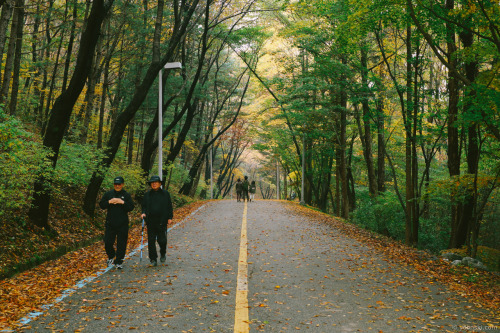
(302, 275)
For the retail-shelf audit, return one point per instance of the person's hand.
(143, 216)
(115, 201)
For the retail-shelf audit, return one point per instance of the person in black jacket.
(245, 187)
(118, 203)
(157, 211)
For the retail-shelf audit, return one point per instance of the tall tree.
(63, 107)
(183, 19)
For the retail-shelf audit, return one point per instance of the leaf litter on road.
(28, 291)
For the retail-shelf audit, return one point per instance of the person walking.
(157, 211)
(239, 190)
(251, 190)
(245, 186)
(118, 203)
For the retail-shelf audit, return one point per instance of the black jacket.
(167, 210)
(117, 215)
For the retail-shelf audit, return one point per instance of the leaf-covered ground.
(480, 287)
(28, 291)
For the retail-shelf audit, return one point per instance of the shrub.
(21, 159)
(382, 214)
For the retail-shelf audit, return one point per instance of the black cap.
(154, 179)
(118, 180)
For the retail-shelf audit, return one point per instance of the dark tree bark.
(380, 145)
(7, 9)
(130, 146)
(409, 112)
(342, 153)
(19, 11)
(473, 152)
(71, 42)
(9, 61)
(453, 131)
(365, 131)
(63, 107)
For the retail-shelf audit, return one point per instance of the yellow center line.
(241, 322)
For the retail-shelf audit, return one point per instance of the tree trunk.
(409, 193)
(380, 145)
(453, 133)
(9, 61)
(130, 137)
(350, 177)
(337, 187)
(70, 44)
(63, 106)
(102, 105)
(7, 9)
(366, 135)
(467, 214)
(342, 152)
(19, 11)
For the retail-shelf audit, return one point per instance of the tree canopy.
(381, 112)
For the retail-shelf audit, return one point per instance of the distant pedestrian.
(157, 211)
(239, 189)
(245, 186)
(118, 203)
(251, 190)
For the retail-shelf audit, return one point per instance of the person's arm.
(128, 205)
(104, 203)
(170, 208)
(144, 205)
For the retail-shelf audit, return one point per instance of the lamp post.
(168, 65)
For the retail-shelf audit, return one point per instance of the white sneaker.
(110, 262)
(119, 266)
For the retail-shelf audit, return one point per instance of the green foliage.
(21, 158)
(178, 175)
(131, 173)
(75, 164)
(179, 200)
(382, 214)
(434, 232)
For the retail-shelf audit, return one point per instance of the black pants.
(157, 233)
(120, 235)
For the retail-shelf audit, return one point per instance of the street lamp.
(168, 65)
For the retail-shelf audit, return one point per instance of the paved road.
(284, 272)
